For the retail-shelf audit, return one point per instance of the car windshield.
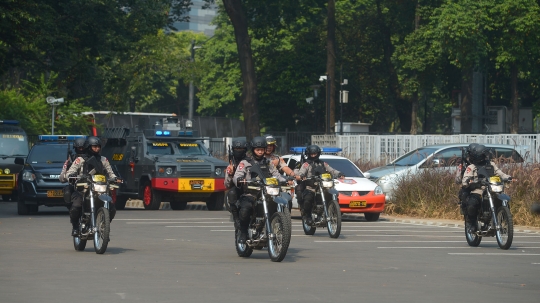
(13, 145)
(48, 154)
(188, 149)
(345, 166)
(160, 148)
(413, 157)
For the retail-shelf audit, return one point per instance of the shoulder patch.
(325, 164)
(305, 164)
(468, 170)
(241, 166)
(77, 161)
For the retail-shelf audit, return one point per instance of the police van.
(160, 160)
(38, 182)
(13, 143)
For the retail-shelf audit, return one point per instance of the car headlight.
(387, 178)
(100, 187)
(169, 170)
(273, 191)
(166, 170)
(378, 191)
(28, 176)
(218, 171)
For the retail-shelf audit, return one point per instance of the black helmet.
(240, 147)
(79, 145)
(94, 141)
(258, 142)
(313, 149)
(478, 154)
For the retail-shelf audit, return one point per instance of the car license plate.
(354, 204)
(196, 182)
(56, 193)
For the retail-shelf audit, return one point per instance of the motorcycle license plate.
(356, 204)
(56, 193)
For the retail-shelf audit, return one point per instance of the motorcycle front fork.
(493, 211)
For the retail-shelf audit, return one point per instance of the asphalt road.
(189, 256)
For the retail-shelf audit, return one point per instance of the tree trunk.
(403, 107)
(466, 102)
(237, 16)
(414, 114)
(331, 60)
(515, 98)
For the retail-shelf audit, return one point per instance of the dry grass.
(433, 194)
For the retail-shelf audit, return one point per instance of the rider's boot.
(473, 225)
(75, 230)
(308, 219)
(243, 232)
(236, 219)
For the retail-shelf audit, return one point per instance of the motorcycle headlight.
(100, 187)
(272, 191)
(28, 176)
(328, 184)
(378, 191)
(496, 188)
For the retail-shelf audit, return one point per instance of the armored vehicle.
(160, 160)
(13, 143)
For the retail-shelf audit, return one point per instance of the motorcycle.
(95, 219)
(494, 217)
(270, 224)
(325, 212)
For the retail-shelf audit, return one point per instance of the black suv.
(38, 182)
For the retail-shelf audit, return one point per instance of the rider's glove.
(509, 179)
(241, 182)
(72, 176)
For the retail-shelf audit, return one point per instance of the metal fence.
(376, 148)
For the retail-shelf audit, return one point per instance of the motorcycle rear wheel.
(472, 238)
(243, 250)
(281, 228)
(79, 244)
(505, 234)
(103, 228)
(334, 219)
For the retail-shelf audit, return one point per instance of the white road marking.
(187, 219)
(464, 247)
(495, 254)
(382, 241)
(176, 222)
(192, 226)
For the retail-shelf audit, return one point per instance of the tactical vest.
(486, 170)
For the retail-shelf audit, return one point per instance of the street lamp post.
(53, 102)
(342, 99)
(191, 88)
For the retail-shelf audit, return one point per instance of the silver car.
(441, 157)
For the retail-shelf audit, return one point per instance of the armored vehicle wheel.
(22, 208)
(6, 198)
(215, 202)
(151, 197)
(178, 205)
(119, 201)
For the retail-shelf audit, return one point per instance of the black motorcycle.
(325, 212)
(270, 224)
(494, 217)
(95, 219)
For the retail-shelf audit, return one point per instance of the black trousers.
(247, 204)
(309, 201)
(473, 205)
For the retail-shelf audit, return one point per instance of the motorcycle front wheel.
(79, 244)
(281, 228)
(103, 228)
(472, 238)
(334, 219)
(505, 233)
(308, 229)
(243, 250)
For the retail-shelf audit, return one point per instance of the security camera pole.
(53, 102)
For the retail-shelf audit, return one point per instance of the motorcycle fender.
(503, 198)
(286, 196)
(333, 191)
(280, 200)
(106, 199)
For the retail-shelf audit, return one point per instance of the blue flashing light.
(187, 133)
(328, 150)
(60, 137)
(166, 133)
(159, 133)
(11, 122)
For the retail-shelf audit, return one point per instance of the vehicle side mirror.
(367, 175)
(134, 157)
(19, 161)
